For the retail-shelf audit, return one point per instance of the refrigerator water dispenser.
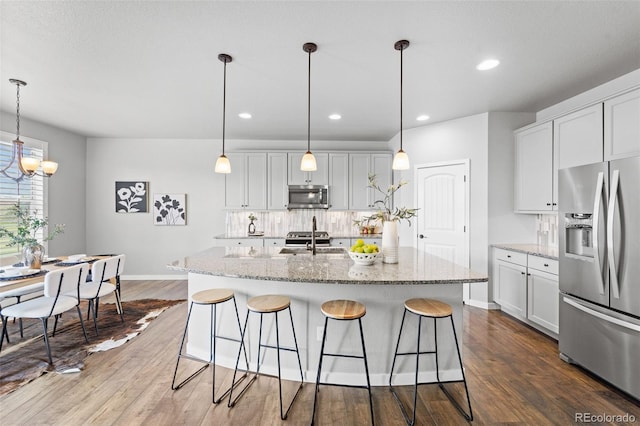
(579, 236)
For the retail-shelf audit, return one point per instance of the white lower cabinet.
(274, 242)
(239, 242)
(341, 242)
(526, 287)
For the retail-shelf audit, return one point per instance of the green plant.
(28, 225)
(385, 210)
(252, 216)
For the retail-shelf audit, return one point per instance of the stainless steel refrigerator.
(599, 223)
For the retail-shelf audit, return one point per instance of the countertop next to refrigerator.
(550, 252)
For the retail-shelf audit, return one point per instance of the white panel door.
(442, 218)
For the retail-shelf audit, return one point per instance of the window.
(29, 192)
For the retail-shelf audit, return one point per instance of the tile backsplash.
(547, 229)
(278, 223)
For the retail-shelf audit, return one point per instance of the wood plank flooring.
(514, 376)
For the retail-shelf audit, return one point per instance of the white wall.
(487, 141)
(169, 165)
(67, 187)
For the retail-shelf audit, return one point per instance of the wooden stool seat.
(343, 309)
(268, 303)
(213, 296)
(428, 308)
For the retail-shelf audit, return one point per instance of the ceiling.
(149, 69)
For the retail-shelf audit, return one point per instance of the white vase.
(390, 242)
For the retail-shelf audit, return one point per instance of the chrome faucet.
(314, 228)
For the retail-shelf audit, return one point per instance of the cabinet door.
(339, 181)
(341, 242)
(256, 181)
(534, 169)
(277, 192)
(577, 138)
(298, 177)
(543, 299)
(622, 126)
(511, 286)
(359, 191)
(274, 242)
(234, 182)
(381, 167)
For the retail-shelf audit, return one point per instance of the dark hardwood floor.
(514, 374)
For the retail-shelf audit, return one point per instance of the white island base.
(385, 306)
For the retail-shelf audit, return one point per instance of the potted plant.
(390, 216)
(252, 226)
(24, 236)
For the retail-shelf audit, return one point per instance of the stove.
(302, 238)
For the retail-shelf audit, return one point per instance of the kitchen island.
(311, 280)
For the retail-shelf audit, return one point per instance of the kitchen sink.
(319, 250)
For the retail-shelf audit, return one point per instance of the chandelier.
(27, 166)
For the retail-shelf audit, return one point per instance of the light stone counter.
(534, 249)
(415, 267)
(310, 281)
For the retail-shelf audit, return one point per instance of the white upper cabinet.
(534, 170)
(246, 185)
(277, 191)
(339, 181)
(622, 126)
(298, 177)
(361, 165)
(577, 138)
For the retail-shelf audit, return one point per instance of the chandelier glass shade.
(27, 166)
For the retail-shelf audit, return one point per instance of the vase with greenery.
(390, 216)
(24, 235)
(252, 226)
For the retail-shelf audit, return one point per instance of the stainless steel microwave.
(308, 197)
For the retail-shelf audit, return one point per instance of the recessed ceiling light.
(422, 117)
(335, 116)
(244, 115)
(487, 64)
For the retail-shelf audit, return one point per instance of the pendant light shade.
(27, 166)
(222, 164)
(308, 163)
(401, 159)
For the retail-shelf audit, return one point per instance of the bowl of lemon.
(363, 254)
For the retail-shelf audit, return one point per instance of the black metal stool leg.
(366, 369)
(232, 401)
(315, 394)
(468, 416)
(395, 354)
(175, 372)
(295, 341)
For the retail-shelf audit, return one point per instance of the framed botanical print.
(131, 197)
(170, 209)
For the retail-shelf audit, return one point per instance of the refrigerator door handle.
(596, 231)
(615, 179)
(602, 316)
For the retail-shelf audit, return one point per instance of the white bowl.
(364, 259)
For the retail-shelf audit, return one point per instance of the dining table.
(23, 278)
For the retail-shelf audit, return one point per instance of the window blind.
(28, 193)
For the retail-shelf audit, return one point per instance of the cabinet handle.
(548, 204)
(528, 275)
(509, 256)
(421, 236)
(521, 273)
(555, 204)
(546, 265)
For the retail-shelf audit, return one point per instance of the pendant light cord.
(309, 105)
(17, 111)
(224, 104)
(401, 51)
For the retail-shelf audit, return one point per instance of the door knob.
(421, 236)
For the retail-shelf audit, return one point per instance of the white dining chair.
(61, 294)
(32, 290)
(102, 271)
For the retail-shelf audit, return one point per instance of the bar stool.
(342, 310)
(210, 298)
(269, 304)
(429, 308)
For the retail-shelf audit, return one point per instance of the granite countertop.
(333, 237)
(534, 249)
(414, 267)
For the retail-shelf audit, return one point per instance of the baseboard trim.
(483, 305)
(153, 277)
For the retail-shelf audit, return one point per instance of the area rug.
(25, 359)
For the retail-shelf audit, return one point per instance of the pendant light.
(401, 159)
(222, 164)
(27, 166)
(308, 163)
